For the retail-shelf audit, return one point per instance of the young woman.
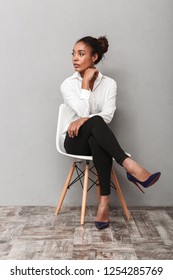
(91, 99)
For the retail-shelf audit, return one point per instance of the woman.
(91, 99)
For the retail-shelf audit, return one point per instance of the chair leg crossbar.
(81, 174)
(85, 175)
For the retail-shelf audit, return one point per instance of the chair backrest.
(64, 116)
(62, 122)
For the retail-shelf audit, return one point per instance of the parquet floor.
(36, 233)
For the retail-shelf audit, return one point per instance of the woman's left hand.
(73, 128)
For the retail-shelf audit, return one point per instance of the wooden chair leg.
(121, 197)
(84, 196)
(65, 188)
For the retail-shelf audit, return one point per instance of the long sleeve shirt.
(86, 103)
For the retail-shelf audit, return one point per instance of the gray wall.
(36, 40)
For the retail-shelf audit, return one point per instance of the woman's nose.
(75, 58)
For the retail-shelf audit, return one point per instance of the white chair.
(63, 115)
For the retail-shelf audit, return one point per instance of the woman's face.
(82, 58)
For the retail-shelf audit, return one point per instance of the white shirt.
(86, 103)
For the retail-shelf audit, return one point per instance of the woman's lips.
(76, 65)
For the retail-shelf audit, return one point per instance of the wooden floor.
(35, 233)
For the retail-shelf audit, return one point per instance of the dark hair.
(99, 46)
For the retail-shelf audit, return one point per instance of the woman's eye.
(79, 54)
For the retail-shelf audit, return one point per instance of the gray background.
(36, 40)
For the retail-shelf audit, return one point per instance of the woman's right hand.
(74, 127)
(90, 73)
(89, 77)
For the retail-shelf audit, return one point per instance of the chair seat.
(81, 157)
(88, 158)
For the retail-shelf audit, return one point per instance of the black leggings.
(95, 138)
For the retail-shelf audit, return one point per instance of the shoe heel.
(138, 187)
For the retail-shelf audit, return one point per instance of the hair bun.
(103, 44)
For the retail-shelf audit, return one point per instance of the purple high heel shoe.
(149, 182)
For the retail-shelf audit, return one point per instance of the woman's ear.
(95, 57)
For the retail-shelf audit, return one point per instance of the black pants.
(95, 138)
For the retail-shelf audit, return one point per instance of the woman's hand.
(90, 74)
(89, 77)
(73, 128)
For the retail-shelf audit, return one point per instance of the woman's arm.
(109, 106)
(78, 102)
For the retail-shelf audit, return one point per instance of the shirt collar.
(76, 75)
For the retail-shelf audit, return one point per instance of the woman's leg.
(107, 141)
(96, 127)
(103, 164)
(135, 169)
(96, 139)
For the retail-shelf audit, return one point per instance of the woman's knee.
(97, 120)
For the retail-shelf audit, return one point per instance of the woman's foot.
(133, 168)
(103, 209)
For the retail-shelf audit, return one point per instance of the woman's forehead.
(80, 46)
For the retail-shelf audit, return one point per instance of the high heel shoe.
(150, 181)
(101, 225)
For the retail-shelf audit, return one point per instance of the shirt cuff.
(85, 94)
